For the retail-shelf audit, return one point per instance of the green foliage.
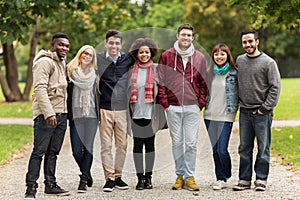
(286, 144)
(12, 139)
(215, 22)
(283, 14)
(166, 14)
(18, 16)
(87, 25)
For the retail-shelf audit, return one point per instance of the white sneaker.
(219, 185)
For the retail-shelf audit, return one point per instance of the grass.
(286, 144)
(12, 139)
(289, 100)
(16, 110)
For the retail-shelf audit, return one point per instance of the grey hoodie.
(49, 84)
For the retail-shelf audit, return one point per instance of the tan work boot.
(178, 184)
(190, 184)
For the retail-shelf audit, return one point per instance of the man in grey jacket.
(49, 109)
(259, 88)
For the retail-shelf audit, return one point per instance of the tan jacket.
(49, 84)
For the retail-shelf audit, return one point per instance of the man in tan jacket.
(49, 113)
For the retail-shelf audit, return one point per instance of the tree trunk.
(11, 67)
(33, 46)
(5, 88)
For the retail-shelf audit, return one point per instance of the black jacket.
(113, 81)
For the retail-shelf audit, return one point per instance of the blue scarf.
(221, 70)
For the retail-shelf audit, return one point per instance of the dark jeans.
(143, 136)
(48, 141)
(82, 133)
(219, 135)
(254, 125)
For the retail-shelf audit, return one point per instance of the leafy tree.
(284, 14)
(17, 19)
(215, 22)
(35, 21)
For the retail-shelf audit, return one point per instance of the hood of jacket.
(45, 53)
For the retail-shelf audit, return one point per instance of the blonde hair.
(76, 62)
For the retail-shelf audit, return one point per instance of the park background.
(26, 26)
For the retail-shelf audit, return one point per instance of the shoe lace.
(178, 179)
(56, 186)
(192, 181)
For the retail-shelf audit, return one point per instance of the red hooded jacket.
(178, 86)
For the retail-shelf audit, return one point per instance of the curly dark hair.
(143, 42)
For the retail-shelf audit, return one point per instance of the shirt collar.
(110, 58)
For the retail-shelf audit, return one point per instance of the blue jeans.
(47, 142)
(183, 122)
(219, 135)
(82, 133)
(254, 125)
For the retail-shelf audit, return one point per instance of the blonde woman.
(82, 111)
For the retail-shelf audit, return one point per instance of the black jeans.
(48, 141)
(143, 136)
(82, 133)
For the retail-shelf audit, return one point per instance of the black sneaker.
(109, 186)
(54, 189)
(82, 187)
(30, 192)
(90, 181)
(120, 184)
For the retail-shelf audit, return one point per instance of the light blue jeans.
(183, 122)
(254, 125)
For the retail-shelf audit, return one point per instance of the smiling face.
(86, 57)
(220, 57)
(250, 44)
(60, 46)
(185, 38)
(144, 54)
(113, 46)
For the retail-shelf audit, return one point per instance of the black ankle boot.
(82, 187)
(141, 183)
(90, 181)
(148, 183)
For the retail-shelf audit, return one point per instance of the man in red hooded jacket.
(181, 92)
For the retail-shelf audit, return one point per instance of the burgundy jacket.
(178, 86)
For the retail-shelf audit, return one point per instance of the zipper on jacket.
(182, 98)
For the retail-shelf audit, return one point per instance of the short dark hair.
(143, 42)
(245, 32)
(185, 26)
(59, 35)
(113, 33)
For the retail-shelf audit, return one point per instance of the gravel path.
(283, 182)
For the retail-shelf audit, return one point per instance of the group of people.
(128, 94)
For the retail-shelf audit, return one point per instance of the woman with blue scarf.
(221, 108)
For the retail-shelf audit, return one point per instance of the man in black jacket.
(113, 67)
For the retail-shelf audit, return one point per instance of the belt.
(61, 114)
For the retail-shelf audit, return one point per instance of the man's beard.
(251, 52)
